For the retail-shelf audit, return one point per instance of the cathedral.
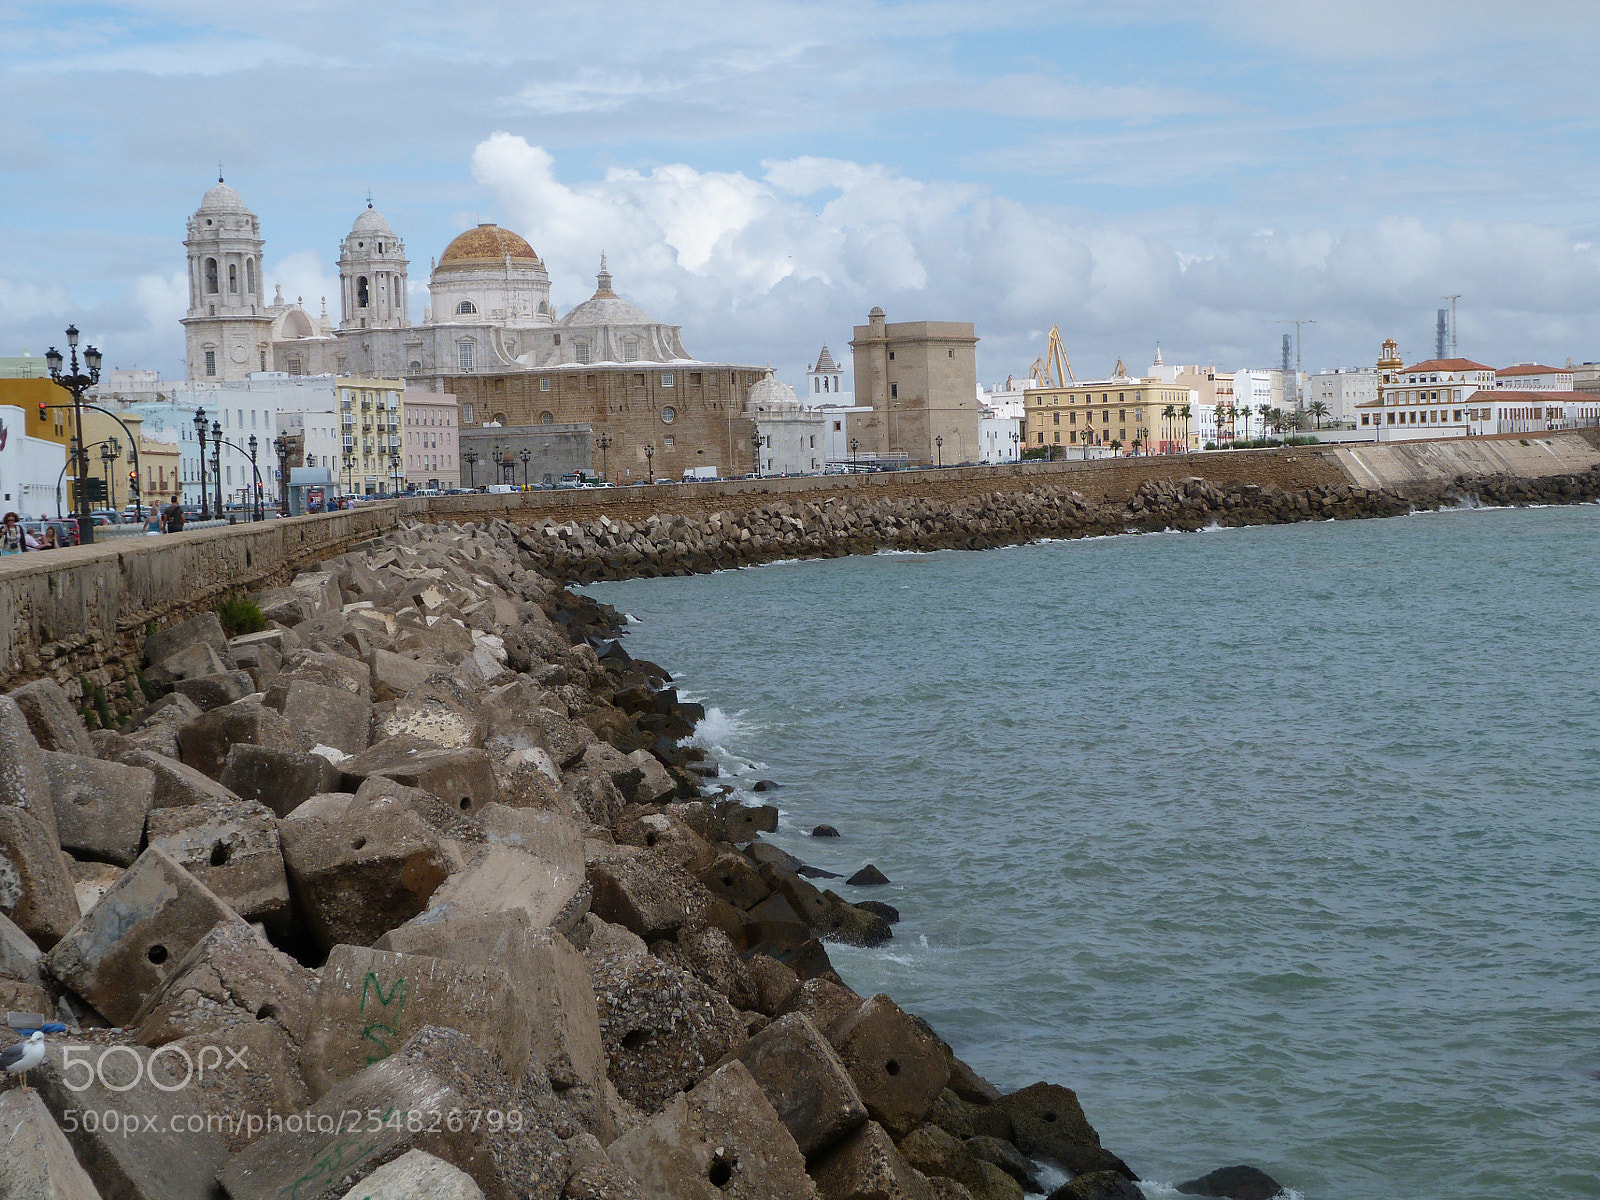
(489, 335)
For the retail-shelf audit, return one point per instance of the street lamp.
(77, 382)
(525, 456)
(938, 445)
(349, 470)
(470, 457)
(604, 442)
(216, 464)
(280, 447)
(853, 444)
(200, 433)
(650, 460)
(394, 474)
(755, 451)
(110, 451)
(255, 506)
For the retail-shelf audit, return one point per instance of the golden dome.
(486, 243)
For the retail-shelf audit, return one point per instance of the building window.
(211, 362)
(465, 307)
(838, 426)
(630, 349)
(363, 297)
(233, 278)
(464, 355)
(1058, 437)
(250, 276)
(547, 418)
(580, 351)
(666, 379)
(466, 414)
(891, 356)
(211, 276)
(544, 384)
(894, 390)
(669, 415)
(1056, 418)
(668, 441)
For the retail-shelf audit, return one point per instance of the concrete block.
(1048, 1122)
(231, 977)
(395, 675)
(358, 869)
(24, 783)
(37, 1163)
(805, 1082)
(19, 956)
(642, 893)
(232, 847)
(278, 778)
(205, 741)
(177, 785)
(732, 877)
(550, 978)
(513, 1154)
(36, 890)
(441, 713)
(720, 1139)
(125, 947)
(369, 1001)
(330, 670)
(934, 1152)
(661, 1027)
(464, 779)
(204, 630)
(416, 1175)
(498, 878)
(323, 715)
(270, 1081)
(172, 709)
(654, 785)
(321, 589)
(745, 822)
(100, 806)
(216, 690)
(160, 1162)
(667, 838)
(190, 662)
(898, 1066)
(55, 724)
(867, 1166)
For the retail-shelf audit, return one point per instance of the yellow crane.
(1054, 369)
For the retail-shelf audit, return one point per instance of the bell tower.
(227, 332)
(372, 275)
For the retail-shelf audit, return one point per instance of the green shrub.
(240, 614)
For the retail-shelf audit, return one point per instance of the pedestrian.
(14, 536)
(172, 517)
(49, 541)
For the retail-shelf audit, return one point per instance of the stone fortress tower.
(228, 331)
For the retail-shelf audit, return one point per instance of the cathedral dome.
(486, 243)
(605, 307)
(222, 199)
(372, 223)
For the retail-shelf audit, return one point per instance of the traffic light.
(44, 413)
(133, 480)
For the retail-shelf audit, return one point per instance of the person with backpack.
(172, 517)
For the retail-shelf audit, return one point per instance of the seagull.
(18, 1058)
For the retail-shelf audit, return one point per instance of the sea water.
(1280, 845)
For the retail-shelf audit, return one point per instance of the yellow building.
(101, 433)
(1127, 414)
(371, 413)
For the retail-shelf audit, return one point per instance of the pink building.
(431, 440)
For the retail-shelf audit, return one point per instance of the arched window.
(394, 288)
(211, 276)
(547, 418)
(466, 306)
(415, 367)
(233, 279)
(362, 299)
(250, 276)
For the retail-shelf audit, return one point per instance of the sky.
(763, 174)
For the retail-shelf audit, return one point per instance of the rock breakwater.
(418, 891)
(604, 547)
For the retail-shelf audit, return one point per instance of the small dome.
(771, 393)
(222, 198)
(486, 243)
(605, 307)
(372, 223)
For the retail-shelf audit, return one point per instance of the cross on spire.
(219, 170)
(369, 197)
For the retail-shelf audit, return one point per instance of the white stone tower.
(227, 333)
(826, 378)
(372, 275)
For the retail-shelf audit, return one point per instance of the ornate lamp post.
(255, 502)
(755, 452)
(77, 382)
(280, 447)
(525, 456)
(938, 445)
(470, 457)
(216, 464)
(650, 460)
(853, 444)
(394, 474)
(200, 428)
(349, 471)
(604, 442)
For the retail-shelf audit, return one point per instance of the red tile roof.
(1528, 369)
(1446, 364)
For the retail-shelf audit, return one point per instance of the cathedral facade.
(490, 335)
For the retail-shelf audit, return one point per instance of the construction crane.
(1452, 300)
(1054, 369)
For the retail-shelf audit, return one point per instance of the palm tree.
(1116, 444)
(1136, 445)
(1319, 410)
(1169, 412)
(1266, 413)
(1184, 413)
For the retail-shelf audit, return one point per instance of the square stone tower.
(920, 379)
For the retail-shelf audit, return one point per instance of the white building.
(1534, 411)
(29, 467)
(825, 380)
(1533, 377)
(1342, 390)
(793, 438)
(1254, 390)
(1002, 418)
(1426, 400)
